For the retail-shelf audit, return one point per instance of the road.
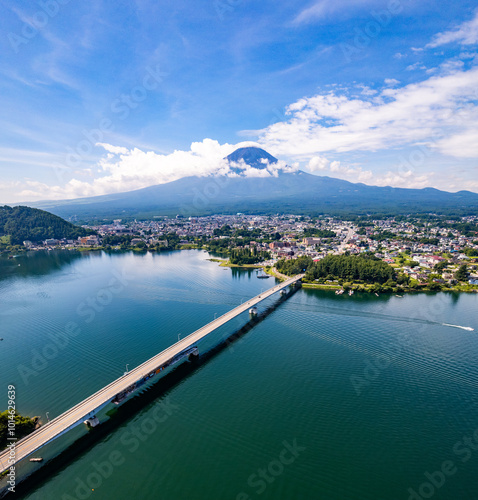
(77, 414)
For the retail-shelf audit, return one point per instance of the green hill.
(18, 224)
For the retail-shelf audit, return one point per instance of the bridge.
(119, 389)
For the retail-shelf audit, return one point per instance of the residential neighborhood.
(422, 249)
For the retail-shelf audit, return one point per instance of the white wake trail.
(468, 328)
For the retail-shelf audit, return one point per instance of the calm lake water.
(328, 397)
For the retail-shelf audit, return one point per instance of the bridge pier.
(92, 421)
(194, 356)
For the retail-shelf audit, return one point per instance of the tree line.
(23, 426)
(363, 267)
(241, 256)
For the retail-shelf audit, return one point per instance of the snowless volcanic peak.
(252, 156)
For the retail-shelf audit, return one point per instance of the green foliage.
(365, 267)
(247, 235)
(383, 236)
(117, 239)
(241, 256)
(362, 267)
(218, 245)
(25, 223)
(466, 228)
(23, 426)
(173, 241)
(294, 266)
(471, 252)
(441, 266)
(429, 241)
(223, 231)
(461, 274)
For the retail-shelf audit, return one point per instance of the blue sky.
(101, 97)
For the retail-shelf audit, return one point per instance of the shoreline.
(365, 287)
(408, 292)
(272, 271)
(226, 263)
(356, 287)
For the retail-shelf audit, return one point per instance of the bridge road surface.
(87, 408)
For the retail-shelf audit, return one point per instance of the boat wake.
(377, 316)
(468, 328)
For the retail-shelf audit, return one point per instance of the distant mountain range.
(282, 192)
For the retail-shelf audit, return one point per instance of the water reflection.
(39, 263)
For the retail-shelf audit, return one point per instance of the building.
(51, 242)
(89, 241)
(311, 241)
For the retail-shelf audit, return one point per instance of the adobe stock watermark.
(120, 108)
(374, 367)
(224, 7)
(372, 29)
(202, 198)
(263, 477)
(416, 158)
(48, 10)
(129, 443)
(377, 364)
(463, 449)
(87, 310)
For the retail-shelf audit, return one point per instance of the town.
(425, 249)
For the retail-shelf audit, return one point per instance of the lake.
(326, 397)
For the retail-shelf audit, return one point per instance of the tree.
(23, 426)
(441, 266)
(364, 267)
(462, 273)
(471, 252)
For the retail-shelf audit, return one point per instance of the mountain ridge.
(294, 192)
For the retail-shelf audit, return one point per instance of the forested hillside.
(24, 223)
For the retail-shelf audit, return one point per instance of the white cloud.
(116, 150)
(405, 178)
(122, 169)
(391, 82)
(464, 34)
(396, 117)
(463, 145)
(317, 163)
(350, 173)
(415, 66)
(322, 8)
